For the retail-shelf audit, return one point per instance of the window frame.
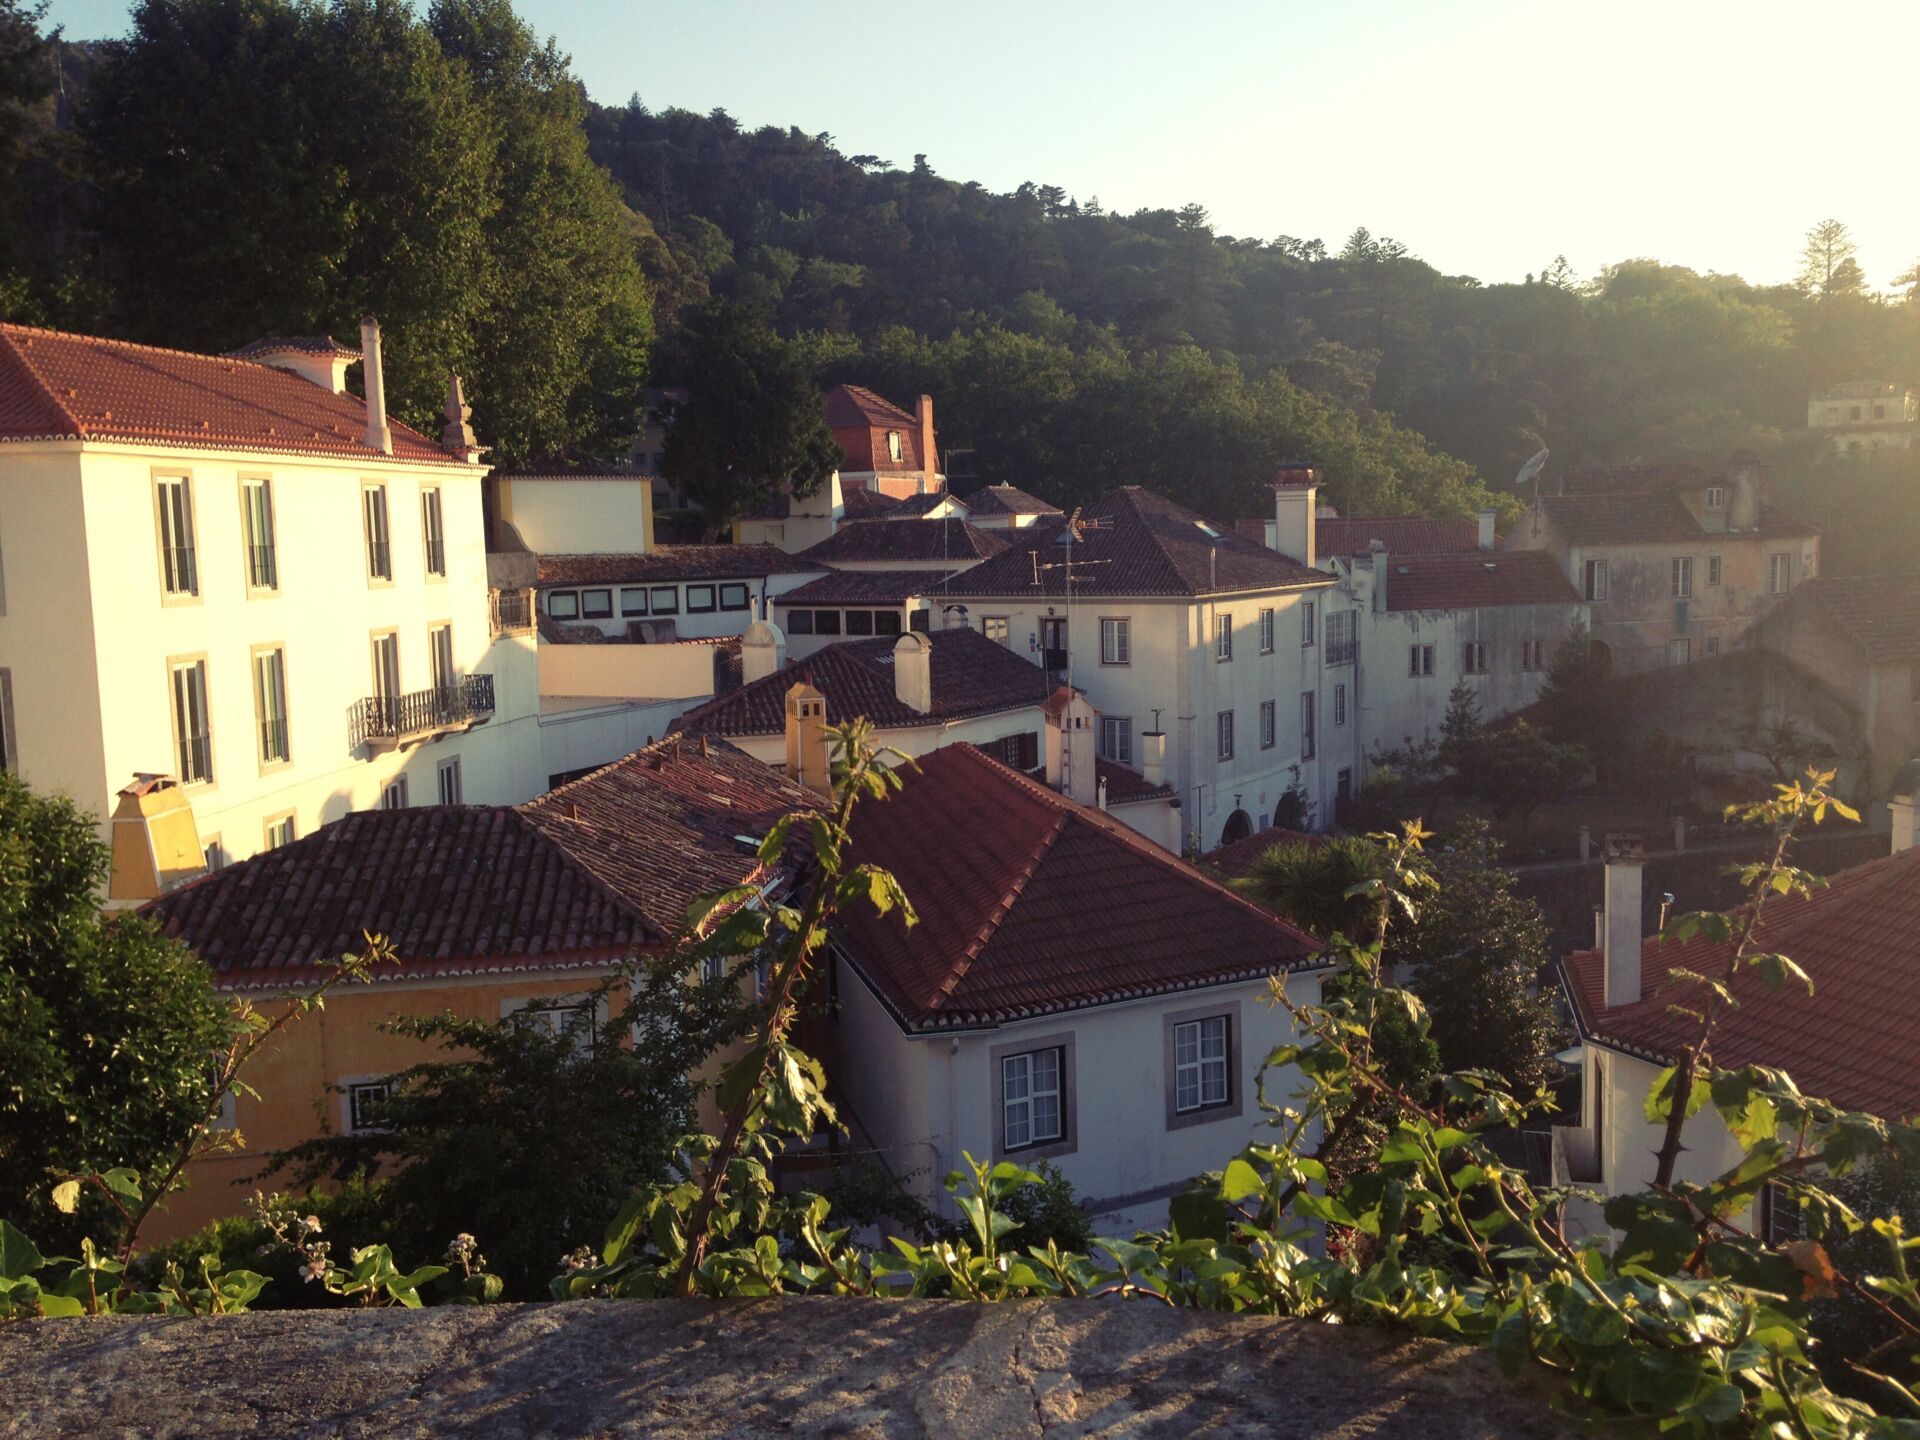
(1420, 660)
(727, 592)
(857, 622)
(823, 625)
(1266, 630)
(1223, 736)
(444, 768)
(350, 1087)
(9, 741)
(704, 591)
(263, 484)
(176, 664)
(1339, 703)
(571, 596)
(1222, 639)
(189, 594)
(1345, 648)
(1003, 623)
(1122, 636)
(1269, 725)
(587, 613)
(1779, 572)
(267, 762)
(799, 621)
(433, 533)
(1597, 578)
(1203, 1114)
(1069, 1138)
(1309, 623)
(1713, 572)
(1122, 726)
(378, 552)
(625, 591)
(1473, 657)
(443, 671)
(397, 786)
(1680, 577)
(1533, 655)
(1716, 497)
(1309, 724)
(275, 822)
(672, 605)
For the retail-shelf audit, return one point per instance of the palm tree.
(1311, 884)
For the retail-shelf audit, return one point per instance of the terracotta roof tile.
(913, 507)
(1879, 613)
(1650, 518)
(1400, 534)
(1236, 857)
(54, 385)
(943, 539)
(860, 503)
(857, 405)
(1477, 580)
(1008, 500)
(1125, 785)
(861, 587)
(672, 562)
(1030, 904)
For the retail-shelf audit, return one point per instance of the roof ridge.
(585, 871)
(82, 336)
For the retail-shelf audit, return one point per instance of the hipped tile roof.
(1008, 500)
(1878, 613)
(857, 405)
(1478, 580)
(1030, 904)
(672, 562)
(914, 507)
(59, 386)
(1236, 857)
(1127, 786)
(1399, 534)
(861, 587)
(1851, 1041)
(943, 539)
(1652, 518)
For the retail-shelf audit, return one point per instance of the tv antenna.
(1075, 529)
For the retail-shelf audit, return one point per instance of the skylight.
(1207, 530)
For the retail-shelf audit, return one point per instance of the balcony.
(511, 612)
(392, 722)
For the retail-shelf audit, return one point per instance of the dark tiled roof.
(972, 675)
(56, 386)
(857, 405)
(1476, 580)
(859, 503)
(1141, 544)
(1651, 518)
(861, 587)
(1008, 500)
(1851, 1041)
(1236, 857)
(913, 507)
(1125, 785)
(1879, 613)
(298, 344)
(1400, 534)
(583, 876)
(1863, 390)
(672, 562)
(1030, 904)
(944, 539)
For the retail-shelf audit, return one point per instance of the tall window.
(270, 705)
(1473, 657)
(1713, 570)
(1116, 641)
(1266, 631)
(386, 669)
(440, 651)
(8, 759)
(1419, 660)
(1340, 704)
(279, 832)
(366, 1105)
(995, 627)
(1596, 588)
(1200, 1079)
(379, 541)
(1533, 654)
(1343, 626)
(1223, 637)
(432, 533)
(1309, 627)
(394, 797)
(894, 451)
(179, 570)
(450, 781)
(1679, 651)
(1116, 738)
(1223, 726)
(1682, 576)
(192, 731)
(1716, 497)
(256, 519)
(1030, 1098)
(1779, 573)
(1266, 724)
(1309, 727)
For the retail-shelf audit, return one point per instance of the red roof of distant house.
(583, 876)
(1878, 613)
(971, 675)
(1851, 1041)
(859, 420)
(1399, 534)
(1477, 580)
(1236, 857)
(1651, 518)
(915, 507)
(57, 386)
(1008, 500)
(859, 503)
(857, 405)
(943, 539)
(1125, 785)
(861, 587)
(672, 562)
(1030, 904)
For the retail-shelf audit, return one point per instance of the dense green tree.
(1579, 704)
(1311, 883)
(1516, 770)
(108, 1031)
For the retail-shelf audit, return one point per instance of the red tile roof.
(1651, 518)
(1125, 785)
(971, 675)
(860, 419)
(583, 876)
(914, 507)
(861, 587)
(859, 503)
(857, 405)
(1477, 580)
(1851, 1041)
(672, 562)
(1400, 534)
(1030, 904)
(1139, 544)
(943, 539)
(1236, 857)
(1878, 613)
(57, 386)
(1008, 500)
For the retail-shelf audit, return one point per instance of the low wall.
(624, 671)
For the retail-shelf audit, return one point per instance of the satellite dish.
(1531, 470)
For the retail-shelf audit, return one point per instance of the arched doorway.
(1239, 827)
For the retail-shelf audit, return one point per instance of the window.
(886, 622)
(1779, 574)
(440, 656)
(1266, 631)
(633, 601)
(733, 597)
(270, 704)
(256, 532)
(192, 731)
(1596, 588)
(997, 629)
(799, 622)
(394, 797)
(1712, 646)
(859, 622)
(279, 831)
(1473, 657)
(666, 599)
(1533, 654)
(700, 600)
(1419, 660)
(379, 542)
(1340, 704)
(1116, 641)
(1200, 1071)
(179, 570)
(1309, 716)
(826, 622)
(1309, 627)
(1713, 570)
(1853, 412)
(921, 622)
(575, 1020)
(365, 1105)
(1266, 725)
(1021, 751)
(1343, 629)
(1679, 651)
(214, 854)
(1223, 637)
(1879, 412)
(432, 534)
(1716, 497)
(596, 604)
(1342, 786)
(1682, 576)
(563, 604)
(1116, 738)
(386, 667)
(893, 446)
(449, 772)
(1031, 1109)
(1223, 726)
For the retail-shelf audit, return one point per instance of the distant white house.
(1866, 415)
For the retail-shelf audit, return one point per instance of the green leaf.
(19, 1256)
(60, 1306)
(124, 1182)
(1777, 970)
(66, 1196)
(1240, 1181)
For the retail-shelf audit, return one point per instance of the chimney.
(1486, 536)
(807, 762)
(1377, 549)
(156, 844)
(1294, 489)
(763, 651)
(929, 461)
(456, 436)
(1901, 808)
(1748, 480)
(1071, 766)
(913, 673)
(1620, 977)
(1153, 756)
(379, 434)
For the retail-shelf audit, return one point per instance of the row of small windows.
(1474, 658)
(1116, 731)
(643, 600)
(1598, 576)
(854, 622)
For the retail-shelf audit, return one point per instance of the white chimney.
(1153, 756)
(913, 673)
(763, 651)
(1294, 489)
(1901, 808)
(1072, 768)
(1486, 536)
(1377, 552)
(379, 434)
(1620, 977)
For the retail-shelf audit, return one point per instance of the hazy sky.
(1488, 136)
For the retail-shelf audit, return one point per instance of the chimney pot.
(1294, 489)
(1153, 757)
(1901, 809)
(1626, 858)
(913, 672)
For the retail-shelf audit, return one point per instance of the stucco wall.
(557, 516)
(628, 672)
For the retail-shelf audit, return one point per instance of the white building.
(1071, 993)
(236, 574)
(1866, 415)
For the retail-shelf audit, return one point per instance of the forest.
(234, 168)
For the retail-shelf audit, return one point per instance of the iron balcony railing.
(511, 611)
(384, 722)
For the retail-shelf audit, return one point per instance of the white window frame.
(433, 533)
(376, 525)
(1780, 572)
(1716, 497)
(896, 452)
(1597, 579)
(447, 773)
(1713, 571)
(278, 831)
(1223, 735)
(352, 1089)
(270, 684)
(1343, 647)
(1473, 657)
(1116, 738)
(1679, 651)
(1309, 724)
(1223, 637)
(440, 658)
(1267, 725)
(997, 628)
(193, 767)
(1116, 640)
(1309, 625)
(1266, 630)
(1681, 577)
(259, 551)
(1340, 703)
(174, 529)
(1202, 1068)
(1419, 661)
(1023, 1085)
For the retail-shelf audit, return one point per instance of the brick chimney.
(929, 460)
(1626, 857)
(807, 758)
(1294, 489)
(913, 673)
(379, 433)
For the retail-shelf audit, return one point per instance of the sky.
(1488, 136)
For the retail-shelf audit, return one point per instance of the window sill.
(170, 598)
(274, 767)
